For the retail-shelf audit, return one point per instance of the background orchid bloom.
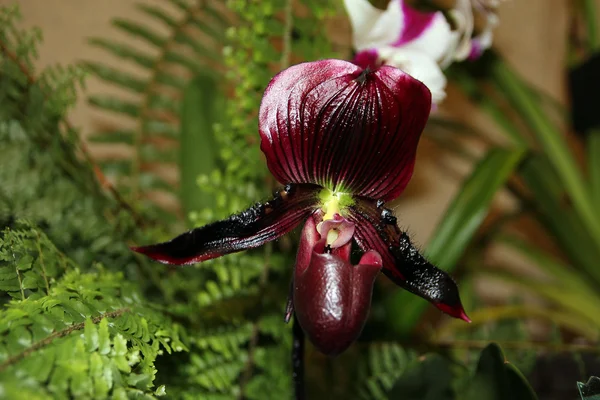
(418, 42)
(343, 141)
(483, 40)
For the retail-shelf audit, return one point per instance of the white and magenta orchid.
(483, 41)
(342, 140)
(420, 43)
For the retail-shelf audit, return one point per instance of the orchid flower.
(342, 141)
(483, 40)
(418, 42)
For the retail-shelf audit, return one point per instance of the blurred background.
(531, 36)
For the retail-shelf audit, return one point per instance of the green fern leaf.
(122, 136)
(157, 110)
(118, 78)
(123, 51)
(115, 105)
(141, 32)
(379, 369)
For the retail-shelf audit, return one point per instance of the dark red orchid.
(343, 142)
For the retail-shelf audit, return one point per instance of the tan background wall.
(532, 36)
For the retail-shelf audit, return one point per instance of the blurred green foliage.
(83, 317)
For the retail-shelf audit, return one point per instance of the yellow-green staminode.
(334, 203)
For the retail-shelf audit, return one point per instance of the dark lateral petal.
(376, 229)
(254, 227)
(332, 123)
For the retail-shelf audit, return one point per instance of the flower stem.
(298, 360)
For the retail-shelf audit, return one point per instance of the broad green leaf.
(579, 304)
(472, 87)
(554, 145)
(470, 206)
(460, 223)
(567, 227)
(201, 109)
(591, 22)
(497, 379)
(593, 159)
(482, 316)
(559, 272)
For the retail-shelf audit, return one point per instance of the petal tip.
(456, 311)
(463, 315)
(154, 253)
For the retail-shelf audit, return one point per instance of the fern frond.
(185, 40)
(29, 261)
(89, 337)
(217, 372)
(379, 369)
(36, 187)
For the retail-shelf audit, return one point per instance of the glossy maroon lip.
(331, 296)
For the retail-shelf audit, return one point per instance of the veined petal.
(376, 229)
(251, 228)
(372, 27)
(420, 66)
(351, 130)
